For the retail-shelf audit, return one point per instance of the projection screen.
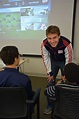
(23, 22)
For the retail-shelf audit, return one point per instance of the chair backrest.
(13, 102)
(67, 103)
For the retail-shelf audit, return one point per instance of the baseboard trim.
(36, 74)
(39, 75)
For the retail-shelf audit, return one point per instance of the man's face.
(53, 39)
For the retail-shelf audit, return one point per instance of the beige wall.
(34, 67)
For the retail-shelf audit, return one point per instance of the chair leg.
(29, 113)
(52, 114)
(38, 109)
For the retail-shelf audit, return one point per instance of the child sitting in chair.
(71, 72)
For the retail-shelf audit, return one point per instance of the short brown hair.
(52, 29)
(8, 54)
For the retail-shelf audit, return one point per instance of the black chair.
(67, 102)
(14, 103)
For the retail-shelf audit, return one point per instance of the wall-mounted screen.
(23, 22)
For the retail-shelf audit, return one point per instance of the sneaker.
(48, 110)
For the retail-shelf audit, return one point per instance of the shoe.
(48, 110)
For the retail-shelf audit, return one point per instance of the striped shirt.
(50, 90)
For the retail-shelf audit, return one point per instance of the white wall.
(34, 67)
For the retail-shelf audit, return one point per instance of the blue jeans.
(55, 66)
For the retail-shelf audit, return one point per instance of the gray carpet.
(40, 82)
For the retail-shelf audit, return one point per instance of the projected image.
(27, 11)
(44, 1)
(10, 21)
(24, 16)
(34, 18)
(29, 15)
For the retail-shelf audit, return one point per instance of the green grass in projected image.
(10, 28)
(10, 22)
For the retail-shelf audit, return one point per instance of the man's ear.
(15, 60)
(59, 36)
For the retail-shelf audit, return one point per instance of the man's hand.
(63, 78)
(58, 82)
(50, 78)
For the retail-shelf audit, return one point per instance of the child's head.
(71, 72)
(8, 54)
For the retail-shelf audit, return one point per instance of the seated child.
(71, 72)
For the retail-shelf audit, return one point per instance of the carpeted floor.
(40, 82)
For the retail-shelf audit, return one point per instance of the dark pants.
(55, 66)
